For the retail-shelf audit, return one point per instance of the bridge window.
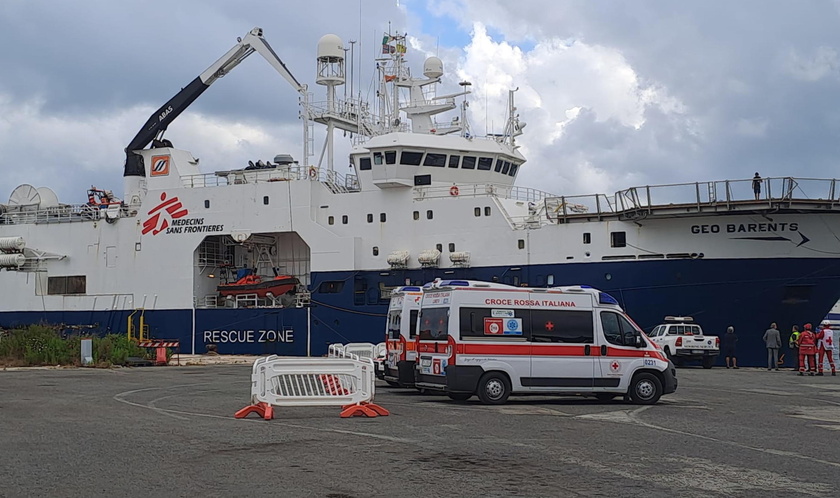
(454, 160)
(364, 163)
(486, 210)
(377, 158)
(438, 160)
(506, 168)
(485, 163)
(390, 157)
(499, 164)
(468, 162)
(618, 239)
(411, 158)
(513, 168)
(331, 287)
(587, 238)
(420, 180)
(477, 211)
(66, 285)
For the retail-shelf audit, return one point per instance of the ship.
(424, 197)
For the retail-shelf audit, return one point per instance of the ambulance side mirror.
(639, 341)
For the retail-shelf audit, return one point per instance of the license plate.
(698, 351)
(425, 363)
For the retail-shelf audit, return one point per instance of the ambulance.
(400, 330)
(493, 340)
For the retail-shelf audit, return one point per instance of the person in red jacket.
(807, 349)
(825, 347)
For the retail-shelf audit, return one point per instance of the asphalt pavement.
(170, 431)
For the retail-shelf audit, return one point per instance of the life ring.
(313, 173)
(453, 190)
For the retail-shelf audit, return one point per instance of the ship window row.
(438, 160)
(73, 284)
(477, 211)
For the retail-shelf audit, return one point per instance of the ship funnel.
(330, 61)
(433, 68)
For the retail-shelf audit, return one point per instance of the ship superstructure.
(426, 199)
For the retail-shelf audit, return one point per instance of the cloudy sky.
(615, 94)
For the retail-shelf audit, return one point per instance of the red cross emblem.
(614, 366)
(549, 326)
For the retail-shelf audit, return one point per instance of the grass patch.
(40, 345)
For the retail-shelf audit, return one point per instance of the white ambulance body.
(399, 335)
(494, 340)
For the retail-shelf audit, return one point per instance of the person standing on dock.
(825, 347)
(772, 341)
(807, 350)
(756, 185)
(729, 342)
(793, 344)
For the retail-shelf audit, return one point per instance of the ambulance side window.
(562, 326)
(617, 330)
(479, 322)
(412, 323)
(612, 330)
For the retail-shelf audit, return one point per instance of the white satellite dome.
(330, 47)
(433, 67)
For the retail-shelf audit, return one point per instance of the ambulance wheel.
(493, 388)
(460, 396)
(645, 389)
(392, 383)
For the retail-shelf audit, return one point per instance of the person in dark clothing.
(756, 185)
(729, 342)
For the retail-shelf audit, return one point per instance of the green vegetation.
(44, 345)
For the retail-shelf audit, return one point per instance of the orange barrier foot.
(264, 410)
(378, 409)
(363, 409)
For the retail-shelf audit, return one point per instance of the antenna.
(352, 66)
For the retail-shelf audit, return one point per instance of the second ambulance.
(493, 340)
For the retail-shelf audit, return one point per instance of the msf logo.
(157, 223)
(160, 165)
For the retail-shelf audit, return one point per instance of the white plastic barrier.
(334, 381)
(361, 349)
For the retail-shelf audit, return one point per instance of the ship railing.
(334, 180)
(65, 213)
(481, 190)
(720, 195)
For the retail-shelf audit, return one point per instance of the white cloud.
(812, 67)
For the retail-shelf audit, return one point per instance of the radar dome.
(330, 47)
(433, 68)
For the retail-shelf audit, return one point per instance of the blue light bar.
(605, 298)
(410, 288)
(454, 283)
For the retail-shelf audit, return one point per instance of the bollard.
(87, 352)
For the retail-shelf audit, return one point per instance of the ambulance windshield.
(434, 324)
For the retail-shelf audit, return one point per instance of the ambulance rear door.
(562, 343)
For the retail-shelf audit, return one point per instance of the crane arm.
(160, 120)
